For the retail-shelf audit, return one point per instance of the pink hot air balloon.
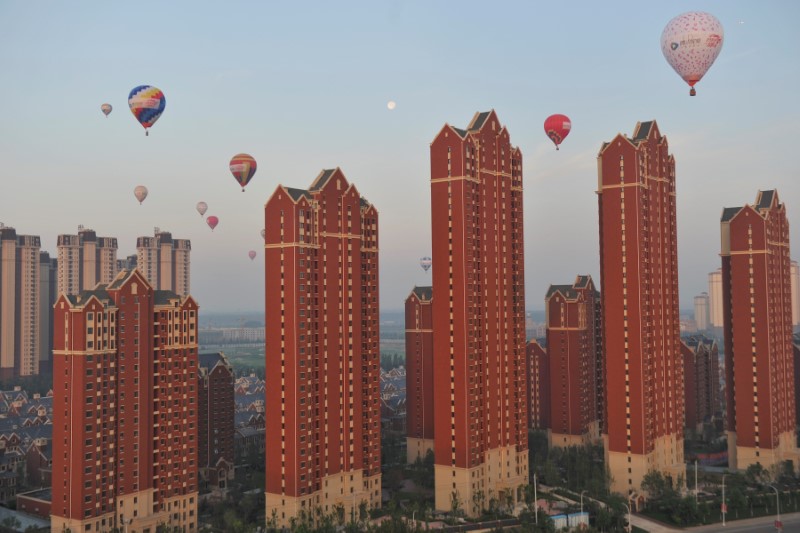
(140, 192)
(212, 222)
(252, 254)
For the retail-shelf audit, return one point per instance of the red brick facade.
(481, 436)
(641, 328)
(125, 408)
(322, 353)
(419, 372)
(216, 420)
(538, 385)
(759, 363)
(573, 354)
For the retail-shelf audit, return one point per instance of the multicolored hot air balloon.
(252, 254)
(264, 234)
(202, 207)
(212, 222)
(557, 127)
(140, 192)
(106, 109)
(243, 166)
(425, 263)
(146, 103)
(691, 43)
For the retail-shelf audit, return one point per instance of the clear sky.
(303, 86)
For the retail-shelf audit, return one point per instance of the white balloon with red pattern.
(691, 42)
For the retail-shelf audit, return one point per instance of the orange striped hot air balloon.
(243, 166)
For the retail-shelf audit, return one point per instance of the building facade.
(322, 353)
(48, 287)
(480, 410)
(84, 260)
(715, 316)
(701, 380)
(538, 385)
(641, 321)
(702, 306)
(19, 304)
(215, 425)
(419, 373)
(759, 363)
(573, 351)
(165, 261)
(124, 409)
(795, 286)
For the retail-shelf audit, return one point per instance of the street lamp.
(778, 523)
(535, 501)
(724, 507)
(125, 523)
(582, 492)
(630, 525)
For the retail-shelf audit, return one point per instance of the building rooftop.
(424, 293)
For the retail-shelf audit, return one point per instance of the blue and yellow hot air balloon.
(147, 103)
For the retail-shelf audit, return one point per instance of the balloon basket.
(692, 92)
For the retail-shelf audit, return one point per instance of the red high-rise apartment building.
(573, 352)
(419, 373)
(481, 436)
(538, 385)
(216, 420)
(641, 328)
(759, 364)
(322, 354)
(701, 380)
(124, 409)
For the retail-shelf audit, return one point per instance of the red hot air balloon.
(212, 222)
(252, 254)
(557, 127)
(243, 166)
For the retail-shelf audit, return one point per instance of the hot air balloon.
(212, 222)
(140, 192)
(425, 263)
(252, 254)
(146, 103)
(691, 42)
(557, 127)
(202, 207)
(264, 234)
(243, 166)
(106, 109)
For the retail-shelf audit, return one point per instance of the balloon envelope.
(212, 222)
(243, 166)
(263, 234)
(690, 43)
(106, 109)
(252, 254)
(425, 263)
(146, 103)
(202, 207)
(140, 192)
(557, 127)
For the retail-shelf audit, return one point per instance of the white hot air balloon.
(106, 109)
(202, 207)
(391, 105)
(140, 192)
(264, 234)
(691, 42)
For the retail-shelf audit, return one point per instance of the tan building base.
(134, 515)
(339, 495)
(740, 457)
(417, 448)
(628, 469)
(498, 481)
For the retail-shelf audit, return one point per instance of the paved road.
(764, 524)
